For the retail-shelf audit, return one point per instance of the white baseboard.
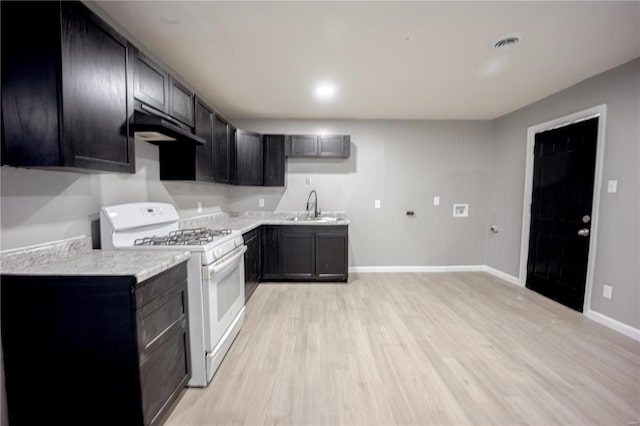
(503, 275)
(616, 325)
(451, 268)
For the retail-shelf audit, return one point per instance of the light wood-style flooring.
(423, 348)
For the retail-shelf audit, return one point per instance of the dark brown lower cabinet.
(251, 262)
(94, 349)
(305, 253)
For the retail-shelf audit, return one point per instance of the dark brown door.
(563, 177)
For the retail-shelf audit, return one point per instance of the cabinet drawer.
(165, 373)
(162, 283)
(158, 315)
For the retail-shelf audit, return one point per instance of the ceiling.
(392, 60)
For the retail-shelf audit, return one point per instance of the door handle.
(584, 232)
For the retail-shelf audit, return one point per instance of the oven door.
(223, 288)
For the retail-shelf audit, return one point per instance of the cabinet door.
(180, 102)
(204, 153)
(270, 254)
(151, 83)
(332, 255)
(248, 158)
(30, 121)
(251, 262)
(273, 160)
(297, 252)
(304, 146)
(97, 100)
(220, 150)
(334, 146)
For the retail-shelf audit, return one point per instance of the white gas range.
(215, 274)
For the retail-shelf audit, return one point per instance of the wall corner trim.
(613, 324)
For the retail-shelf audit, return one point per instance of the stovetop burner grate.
(185, 237)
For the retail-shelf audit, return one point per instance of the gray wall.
(403, 164)
(618, 251)
(43, 205)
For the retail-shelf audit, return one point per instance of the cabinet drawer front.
(165, 373)
(160, 284)
(157, 316)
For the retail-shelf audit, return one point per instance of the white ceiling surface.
(395, 60)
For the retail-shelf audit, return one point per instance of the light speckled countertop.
(75, 257)
(247, 221)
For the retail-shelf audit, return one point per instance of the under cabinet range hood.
(158, 128)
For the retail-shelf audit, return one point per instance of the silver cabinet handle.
(584, 232)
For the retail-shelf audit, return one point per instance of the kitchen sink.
(315, 219)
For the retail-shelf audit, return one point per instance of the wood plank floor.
(432, 348)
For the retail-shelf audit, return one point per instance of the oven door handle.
(214, 269)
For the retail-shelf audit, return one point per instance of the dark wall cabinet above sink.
(318, 146)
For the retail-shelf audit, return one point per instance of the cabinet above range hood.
(158, 128)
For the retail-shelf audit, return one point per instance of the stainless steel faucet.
(315, 204)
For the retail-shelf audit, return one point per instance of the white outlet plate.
(436, 201)
(199, 206)
(376, 204)
(308, 180)
(260, 202)
(607, 291)
(612, 186)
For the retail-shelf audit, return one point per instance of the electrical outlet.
(376, 204)
(607, 291)
(612, 186)
(260, 202)
(199, 206)
(436, 201)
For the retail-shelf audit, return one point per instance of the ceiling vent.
(506, 41)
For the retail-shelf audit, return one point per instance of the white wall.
(43, 205)
(618, 251)
(404, 164)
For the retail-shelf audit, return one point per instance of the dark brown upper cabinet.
(190, 161)
(334, 146)
(151, 82)
(66, 94)
(322, 146)
(274, 161)
(247, 169)
(180, 102)
(221, 150)
(302, 145)
(156, 88)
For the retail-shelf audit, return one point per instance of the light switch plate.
(612, 186)
(607, 291)
(376, 204)
(436, 201)
(199, 206)
(260, 202)
(308, 180)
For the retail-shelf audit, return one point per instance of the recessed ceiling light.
(508, 40)
(325, 91)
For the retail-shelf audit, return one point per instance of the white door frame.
(597, 111)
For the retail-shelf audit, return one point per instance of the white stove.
(215, 274)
